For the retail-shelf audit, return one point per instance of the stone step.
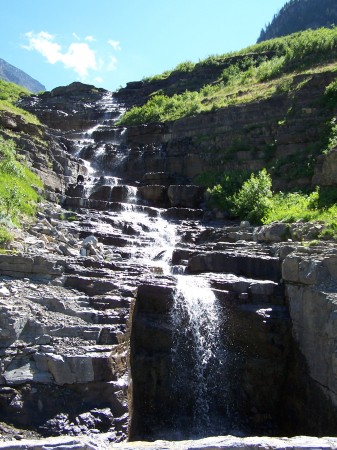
(255, 266)
(110, 302)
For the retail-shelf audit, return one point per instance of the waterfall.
(198, 356)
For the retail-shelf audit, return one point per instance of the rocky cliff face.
(285, 133)
(88, 293)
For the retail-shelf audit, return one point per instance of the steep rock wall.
(284, 133)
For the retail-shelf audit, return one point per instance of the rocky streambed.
(87, 336)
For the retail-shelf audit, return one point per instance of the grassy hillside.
(9, 94)
(19, 186)
(255, 73)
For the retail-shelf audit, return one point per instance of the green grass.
(10, 93)
(5, 237)
(313, 207)
(252, 74)
(18, 186)
(250, 198)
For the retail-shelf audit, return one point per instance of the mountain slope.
(299, 15)
(17, 76)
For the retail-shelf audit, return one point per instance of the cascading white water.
(198, 355)
(161, 237)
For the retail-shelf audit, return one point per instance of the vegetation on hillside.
(256, 72)
(19, 186)
(254, 200)
(11, 93)
(300, 15)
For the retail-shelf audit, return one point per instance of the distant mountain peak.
(300, 15)
(17, 76)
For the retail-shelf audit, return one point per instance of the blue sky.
(109, 43)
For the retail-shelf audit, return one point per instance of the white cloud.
(43, 43)
(79, 56)
(114, 44)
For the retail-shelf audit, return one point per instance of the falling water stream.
(197, 352)
(198, 358)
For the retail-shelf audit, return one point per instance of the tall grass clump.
(18, 186)
(318, 206)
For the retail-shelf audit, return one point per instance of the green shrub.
(252, 201)
(186, 66)
(270, 69)
(332, 136)
(5, 237)
(220, 194)
(330, 94)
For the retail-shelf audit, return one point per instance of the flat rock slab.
(59, 443)
(235, 443)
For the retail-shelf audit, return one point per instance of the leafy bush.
(252, 201)
(330, 94)
(270, 69)
(186, 66)
(220, 194)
